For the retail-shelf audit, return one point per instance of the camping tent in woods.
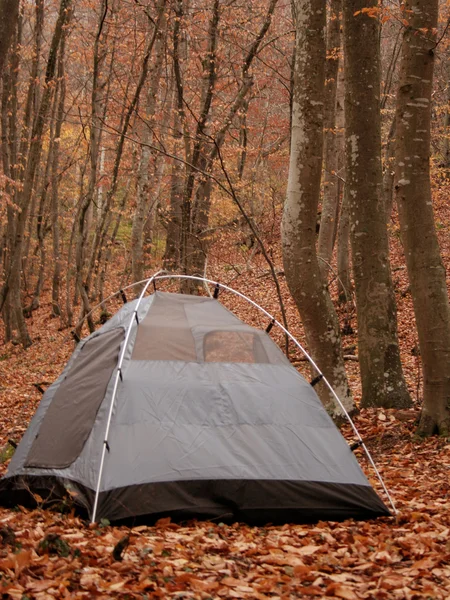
(177, 408)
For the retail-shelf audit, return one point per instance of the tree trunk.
(382, 378)
(24, 196)
(300, 210)
(9, 159)
(389, 171)
(445, 164)
(330, 202)
(413, 193)
(143, 191)
(345, 286)
(56, 177)
(98, 100)
(9, 12)
(173, 236)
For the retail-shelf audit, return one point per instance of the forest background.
(229, 139)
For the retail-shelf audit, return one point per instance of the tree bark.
(345, 286)
(9, 13)
(389, 170)
(143, 191)
(300, 211)
(413, 193)
(383, 383)
(24, 196)
(330, 201)
(173, 236)
(9, 117)
(56, 177)
(445, 163)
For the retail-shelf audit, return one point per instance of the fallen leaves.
(406, 557)
(16, 562)
(47, 555)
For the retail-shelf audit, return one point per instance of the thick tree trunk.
(300, 211)
(330, 202)
(9, 159)
(425, 269)
(382, 378)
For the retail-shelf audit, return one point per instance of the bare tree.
(202, 146)
(142, 191)
(300, 212)
(413, 193)
(12, 285)
(383, 383)
(330, 201)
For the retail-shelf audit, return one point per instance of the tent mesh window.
(71, 414)
(198, 329)
(165, 334)
(233, 346)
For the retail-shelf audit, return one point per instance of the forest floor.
(46, 554)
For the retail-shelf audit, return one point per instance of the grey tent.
(202, 417)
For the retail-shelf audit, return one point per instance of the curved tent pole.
(113, 397)
(127, 287)
(218, 285)
(310, 359)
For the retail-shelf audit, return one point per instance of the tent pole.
(113, 397)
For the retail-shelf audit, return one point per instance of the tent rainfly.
(177, 408)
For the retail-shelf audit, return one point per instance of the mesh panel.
(165, 334)
(233, 346)
(199, 329)
(69, 418)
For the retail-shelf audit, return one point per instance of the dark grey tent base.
(251, 501)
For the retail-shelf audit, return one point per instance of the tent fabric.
(210, 420)
(63, 433)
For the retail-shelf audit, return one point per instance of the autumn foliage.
(162, 110)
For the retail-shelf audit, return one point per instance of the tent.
(175, 407)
